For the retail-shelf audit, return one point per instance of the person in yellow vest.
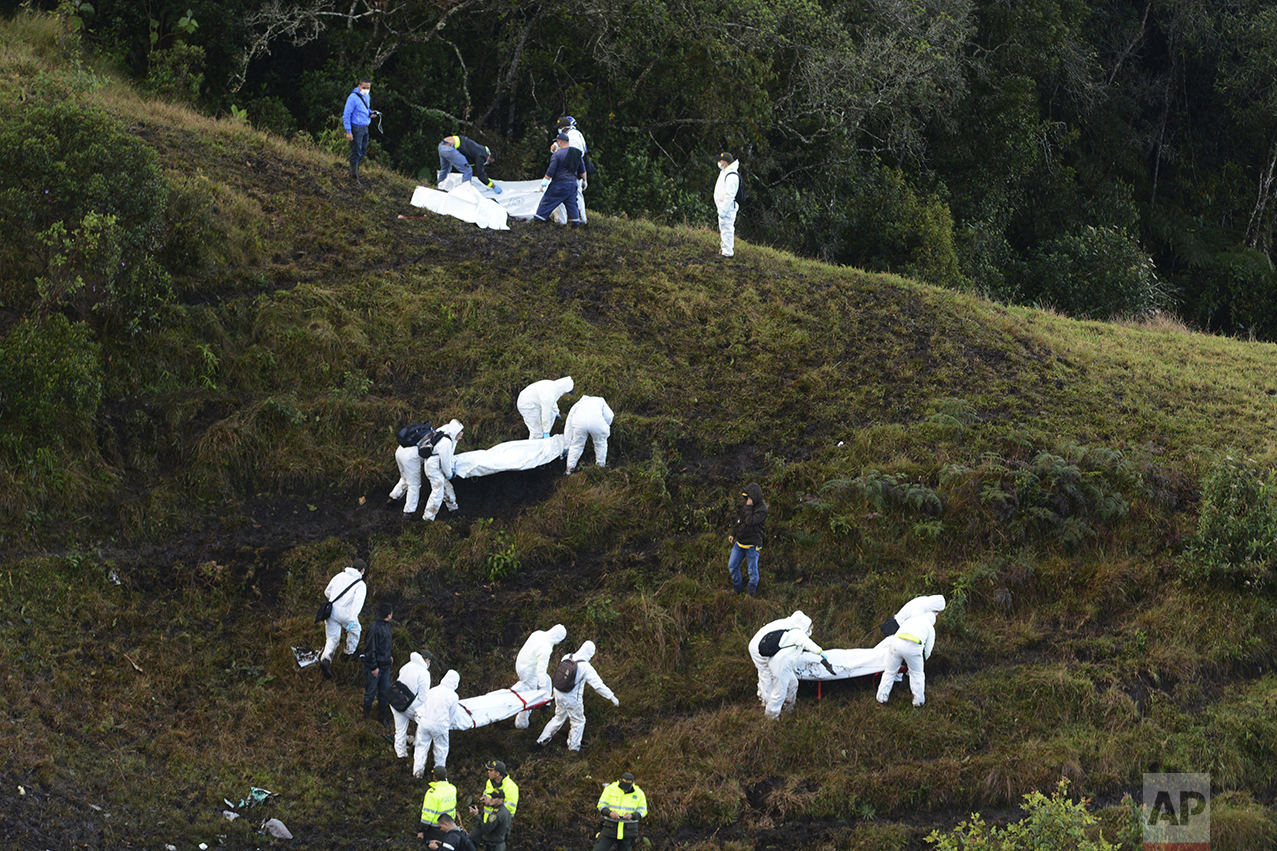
(440, 799)
(499, 779)
(622, 805)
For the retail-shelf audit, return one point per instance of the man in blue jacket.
(356, 118)
(560, 182)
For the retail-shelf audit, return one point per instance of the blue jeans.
(450, 160)
(359, 144)
(750, 554)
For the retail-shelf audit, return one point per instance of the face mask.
(627, 787)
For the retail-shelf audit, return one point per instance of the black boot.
(354, 172)
(383, 711)
(367, 710)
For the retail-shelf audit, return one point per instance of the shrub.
(1097, 273)
(1237, 530)
(50, 385)
(79, 236)
(1055, 822)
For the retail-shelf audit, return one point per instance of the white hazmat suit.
(570, 706)
(911, 644)
(932, 604)
(777, 679)
(439, 470)
(345, 612)
(409, 461)
(533, 663)
(725, 200)
(538, 404)
(434, 720)
(590, 417)
(416, 676)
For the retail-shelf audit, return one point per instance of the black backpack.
(430, 441)
(411, 434)
(741, 195)
(564, 678)
(769, 644)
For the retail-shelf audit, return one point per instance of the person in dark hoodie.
(377, 662)
(468, 158)
(747, 538)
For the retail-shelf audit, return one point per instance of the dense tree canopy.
(1004, 147)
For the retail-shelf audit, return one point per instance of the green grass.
(224, 488)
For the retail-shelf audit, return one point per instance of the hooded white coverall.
(725, 200)
(416, 676)
(538, 404)
(409, 461)
(345, 612)
(439, 471)
(570, 706)
(533, 662)
(777, 680)
(434, 719)
(911, 644)
(589, 417)
(933, 604)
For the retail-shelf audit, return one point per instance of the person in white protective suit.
(912, 645)
(570, 705)
(346, 591)
(533, 662)
(416, 676)
(538, 404)
(725, 193)
(434, 720)
(777, 679)
(589, 417)
(439, 470)
(409, 461)
(932, 604)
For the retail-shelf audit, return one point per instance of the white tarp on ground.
(466, 202)
(519, 199)
(512, 455)
(497, 705)
(858, 662)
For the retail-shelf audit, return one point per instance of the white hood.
(452, 428)
(800, 621)
(564, 385)
(586, 653)
(557, 633)
(451, 680)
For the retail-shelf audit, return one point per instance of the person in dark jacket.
(454, 838)
(468, 157)
(377, 662)
(747, 538)
(493, 830)
(560, 182)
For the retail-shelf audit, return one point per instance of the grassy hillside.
(1044, 474)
